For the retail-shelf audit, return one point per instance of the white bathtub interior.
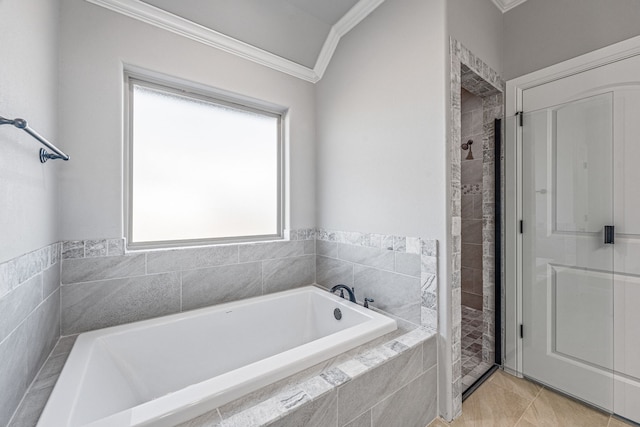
(173, 368)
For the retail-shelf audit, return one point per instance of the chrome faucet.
(350, 291)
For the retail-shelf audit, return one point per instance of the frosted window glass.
(201, 170)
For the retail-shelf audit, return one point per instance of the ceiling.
(297, 37)
(293, 29)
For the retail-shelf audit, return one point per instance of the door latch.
(609, 231)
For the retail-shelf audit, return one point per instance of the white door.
(581, 295)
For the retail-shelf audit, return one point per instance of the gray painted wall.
(95, 43)
(478, 24)
(540, 33)
(28, 89)
(29, 297)
(381, 125)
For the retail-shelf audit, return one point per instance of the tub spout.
(350, 291)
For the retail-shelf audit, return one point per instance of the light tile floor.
(506, 401)
(472, 365)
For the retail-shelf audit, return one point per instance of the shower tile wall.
(472, 175)
(29, 322)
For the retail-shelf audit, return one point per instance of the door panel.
(568, 284)
(581, 297)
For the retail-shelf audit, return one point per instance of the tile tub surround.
(399, 273)
(470, 72)
(103, 285)
(388, 380)
(29, 321)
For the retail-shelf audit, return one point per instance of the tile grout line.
(529, 405)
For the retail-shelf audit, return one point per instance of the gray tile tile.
(115, 247)
(56, 254)
(18, 304)
(330, 272)
(430, 353)
(394, 293)
(270, 250)
(28, 265)
(13, 372)
(361, 393)
(95, 248)
(209, 286)
(189, 259)
(288, 273)
(408, 264)
(92, 269)
(8, 277)
(335, 376)
(363, 420)
(72, 249)
(209, 419)
(50, 372)
(472, 231)
(429, 264)
(51, 279)
(43, 331)
(378, 258)
(31, 408)
(415, 405)
(430, 248)
(328, 249)
(309, 247)
(320, 412)
(97, 305)
(64, 345)
(386, 242)
(257, 415)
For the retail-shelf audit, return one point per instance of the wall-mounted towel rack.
(44, 155)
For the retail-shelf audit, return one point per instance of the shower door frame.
(513, 288)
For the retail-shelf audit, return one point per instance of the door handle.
(609, 231)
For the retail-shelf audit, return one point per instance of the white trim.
(353, 17)
(144, 12)
(505, 5)
(152, 15)
(513, 103)
(588, 61)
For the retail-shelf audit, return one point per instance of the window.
(200, 168)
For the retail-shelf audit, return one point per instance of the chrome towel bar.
(44, 155)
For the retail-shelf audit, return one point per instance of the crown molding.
(353, 17)
(505, 5)
(149, 14)
(152, 15)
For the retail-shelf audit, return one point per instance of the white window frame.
(216, 96)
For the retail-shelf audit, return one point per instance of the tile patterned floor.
(506, 401)
(472, 365)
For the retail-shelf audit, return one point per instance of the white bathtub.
(168, 370)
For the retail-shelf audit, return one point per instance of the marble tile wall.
(103, 285)
(470, 72)
(399, 273)
(29, 321)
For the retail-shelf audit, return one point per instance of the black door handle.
(609, 231)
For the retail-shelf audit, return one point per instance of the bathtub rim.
(184, 403)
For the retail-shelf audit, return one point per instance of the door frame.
(512, 350)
